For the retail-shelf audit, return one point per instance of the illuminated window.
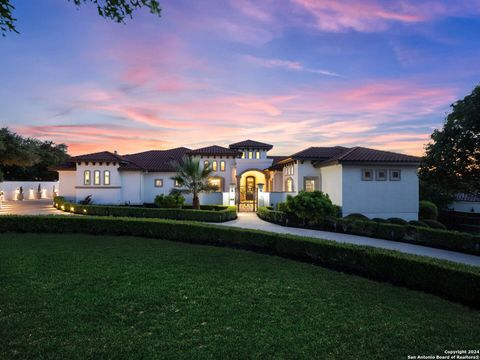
(250, 154)
(395, 175)
(177, 183)
(106, 177)
(367, 174)
(257, 155)
(214, 165)
(205, 163)
(86, 177)
(309, 185)
(243, 154)
(289, 185)
(217, 182)
(96, 177)
(158, 182)
(222, 165)
(381, 175)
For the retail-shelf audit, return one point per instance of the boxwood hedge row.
(212, 214)
(441, 239)
(450, 280)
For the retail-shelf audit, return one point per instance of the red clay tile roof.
(250, 144)
(214, 150)
(99, 156)
(467, 197)
(361, 154)
(155, 160)
(318, 153)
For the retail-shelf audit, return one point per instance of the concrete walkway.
(29, 207)
(252, 221)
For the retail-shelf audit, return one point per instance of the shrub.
(226, 214)
(397, 221)
(453, 281)
(281, 207)
(381, 221)
(174, 201)
(356, 216)
(311, 207)
(427, 210)
(434, 224)
(274, 216)
(417, 223)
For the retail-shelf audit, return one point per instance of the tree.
(452, 160)
(192, 179)
(28, 159)
(116, 10)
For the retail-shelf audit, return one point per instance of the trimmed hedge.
(427, 210)
(436, 238)
(213, 214)
(450, 280)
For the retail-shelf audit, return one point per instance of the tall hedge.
(214, 214)
(450, 280)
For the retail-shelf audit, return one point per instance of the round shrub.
(417, 223)
(174, 201)
(427, 210)
(381, 221)
(397, 221)
(434, 224)
(311, 207)
(356, 216)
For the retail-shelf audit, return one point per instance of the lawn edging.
(436, 238)
(452, 281)
(222, 214)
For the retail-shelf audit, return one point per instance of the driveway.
(29, 207)
(252, 221)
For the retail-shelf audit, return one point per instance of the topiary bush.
(427, 210)
(311, 207)
(434, 224)
(356, 216)
(397, 221)
(174, 201)
(417, 223)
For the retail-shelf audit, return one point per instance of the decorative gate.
(247, 198)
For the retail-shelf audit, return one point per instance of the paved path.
(29, 207)
(252, 221)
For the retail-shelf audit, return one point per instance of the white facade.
(248, 175)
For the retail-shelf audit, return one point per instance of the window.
(367, 174)
(206, 163)
(381, 174)
(243, 154)
(214, 165)
(216, 182)
(177, 183)
(106, 177)
(96, 177)
(250, 154)
(222, 165)
(257, 155)
(86, 177)
(309, 185)
(289, 185)
(395, 174)
(158, 182)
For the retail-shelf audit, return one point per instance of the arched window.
(214, 165)
(86, 177)
(96, 177)
(289, 185)
(106, 177)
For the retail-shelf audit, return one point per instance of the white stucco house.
(360, 180)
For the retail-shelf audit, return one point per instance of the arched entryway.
(247, 189)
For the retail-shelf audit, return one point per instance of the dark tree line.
(28, 159)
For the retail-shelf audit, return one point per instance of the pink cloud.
(286, 64)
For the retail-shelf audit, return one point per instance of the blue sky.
(294, 73)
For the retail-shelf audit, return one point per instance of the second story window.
(222, 165)
(177, 183)
(206, 163)
(86, 177)
(257, 155)
(106, 177)
(158, 182)
(250, 154)
(96, 177)
(243, 154)
(214, 165)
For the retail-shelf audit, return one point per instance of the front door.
(250, 188)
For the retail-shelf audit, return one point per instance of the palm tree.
(192, 179)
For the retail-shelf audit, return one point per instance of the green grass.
(80, 296)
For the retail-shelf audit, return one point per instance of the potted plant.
(20, 194)
(39, 192)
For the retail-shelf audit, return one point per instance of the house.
(360, 180)
(467, 203)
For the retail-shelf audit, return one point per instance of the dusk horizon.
(293, 73)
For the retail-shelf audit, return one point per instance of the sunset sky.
(293, 73)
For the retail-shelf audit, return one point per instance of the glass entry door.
(250, 188)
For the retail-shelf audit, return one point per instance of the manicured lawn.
(79, 296)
